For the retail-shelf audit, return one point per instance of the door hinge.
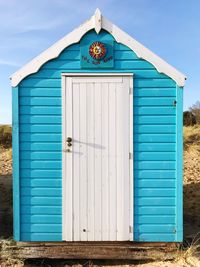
(130, 229)
(130, 90)
(130, 155)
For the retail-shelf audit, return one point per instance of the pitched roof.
(98, 22)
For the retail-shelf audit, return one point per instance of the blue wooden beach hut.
(97, 141)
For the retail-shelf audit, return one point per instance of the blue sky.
(169, 28)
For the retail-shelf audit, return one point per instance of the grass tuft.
(191, 136)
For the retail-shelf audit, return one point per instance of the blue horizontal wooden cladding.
(155, 148)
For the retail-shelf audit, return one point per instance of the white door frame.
(68, 206)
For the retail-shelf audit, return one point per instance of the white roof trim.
(98, 22)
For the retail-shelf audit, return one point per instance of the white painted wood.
(64, 212)
(119, 160)
(106, 75)
(97, 163)
(105, 157)
(91, 160)
(100, 160)
(68, 157)
(76, 162)
(83, 161)
(131, 158)
(98, 22)
(97, 80)
(112, 163)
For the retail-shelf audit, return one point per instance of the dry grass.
(6, 136)
(189, 254)
(191, 136)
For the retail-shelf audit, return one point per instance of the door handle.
(69, 141)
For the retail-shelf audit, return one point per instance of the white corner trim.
(98, 22)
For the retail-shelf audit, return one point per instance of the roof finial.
(97, 20)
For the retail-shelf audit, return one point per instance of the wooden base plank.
(90, 250)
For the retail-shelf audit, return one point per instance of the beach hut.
(97, 141)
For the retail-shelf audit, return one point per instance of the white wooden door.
(97, 166)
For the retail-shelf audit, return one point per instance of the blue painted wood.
(155, 156)
(154, 111)
(157, 219)
(41, 173)
(167, 119)
(41, 228)
(154, 92)
(28, 110)
(41, 237)
(121, 47)
(155, 165)
(154, 192)
(37, 82)
(29, 209)
(155, 201)
(42, 164)
(155, 83)
(42, 146)
(140, 73)
(41, 218)
(154, 129)
(151, 183)
(41, 119)
(154, 210)
(157, 168)
(155, 174)
(41, 201)
(47, 191)
(152, 101)
(26, 128)
(16, 171)
(36, 155)
(157, 228)
(40, 137)
(155, 147)
(179, 184)
(155, 237)
(155, 138)
(39, 182)
(38, 101)
(29, 91)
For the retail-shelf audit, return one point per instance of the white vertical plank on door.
(105, 157)
(91, 158)
(76, 162)
(119, 156)
(97, 164)
(69, 169)
(122, 161)
(126, 161)
(83, 163)
(112, 162)
(129, 82)
(64, 197)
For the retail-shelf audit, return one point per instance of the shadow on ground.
(192, 211)
(6, 210)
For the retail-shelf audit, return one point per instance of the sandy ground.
(191, 216)
(190, 262)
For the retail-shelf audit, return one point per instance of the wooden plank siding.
(40, 147)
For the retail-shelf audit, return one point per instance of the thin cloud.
(9, 63)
